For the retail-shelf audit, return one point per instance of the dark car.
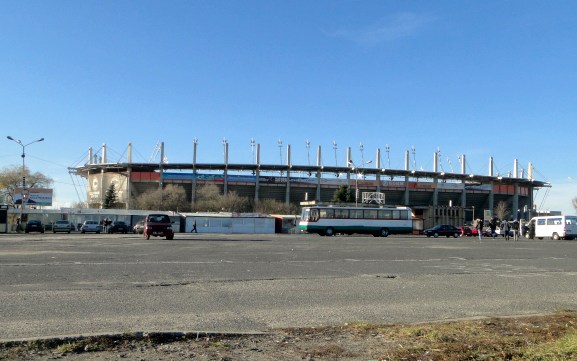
(158, 225)
(442, 230)
(34, 226)
(138, 227)
(118, 227)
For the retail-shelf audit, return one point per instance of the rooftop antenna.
(308, 145)
(280, 152)
(440, 159)
(388, 150)
(335, 148)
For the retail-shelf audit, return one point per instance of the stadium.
(435, 196)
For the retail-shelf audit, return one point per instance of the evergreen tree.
(343, 194)
(110, 198)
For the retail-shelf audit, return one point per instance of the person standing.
(515, 230)
(532, 229)
(480, 228)
(506, 227)
(493, 226)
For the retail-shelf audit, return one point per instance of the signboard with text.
(33, 196)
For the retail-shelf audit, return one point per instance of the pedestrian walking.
(194, 227)
(515, 230)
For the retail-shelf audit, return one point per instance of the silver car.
(91, 226)
(62, 226)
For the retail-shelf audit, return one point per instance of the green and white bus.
(380, 222)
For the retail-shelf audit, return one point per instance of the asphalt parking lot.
(81, 284)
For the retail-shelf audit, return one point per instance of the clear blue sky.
(481, 78)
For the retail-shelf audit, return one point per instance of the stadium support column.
(349, 160)
(436, 180)
(319, 167)
(257, 174)
(102, 160)
(193, 190)
(378, 166)
(515, 205)
(160, 168)
(225, 186)
(288, 174)
(129, 176)
(406, 201)
(464, 193)
(492, 192)
(89, 190)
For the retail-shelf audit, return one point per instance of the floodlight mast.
(23, 201)
(357, 178)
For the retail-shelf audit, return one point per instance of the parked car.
(466, 231)
(62, 226)
(158, 225)
(118, 227)
(442, 230)
(138, 228)
(34, 226)
(486, 232)
(91, 226)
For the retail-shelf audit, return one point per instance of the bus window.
(314, 215)
(540, 222)
(396, 214)
(371, 213)
(341, 213)
(404, 214)
(356, 213)
(327, 213)
(385, 214)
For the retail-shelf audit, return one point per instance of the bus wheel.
(555, 236)
(329, 232)
(384, 232)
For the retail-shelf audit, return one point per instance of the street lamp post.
(357, 178)
(19, 142)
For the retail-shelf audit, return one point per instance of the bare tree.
(11, 179)
(272, 206)
(501, 211)
(171, 198)
(209, 199)
(79, 205)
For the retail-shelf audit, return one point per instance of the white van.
(556, 227)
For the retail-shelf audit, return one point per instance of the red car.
(466, 231)
(158, 225)
(475, 232)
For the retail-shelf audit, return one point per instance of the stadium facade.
(435, 196)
